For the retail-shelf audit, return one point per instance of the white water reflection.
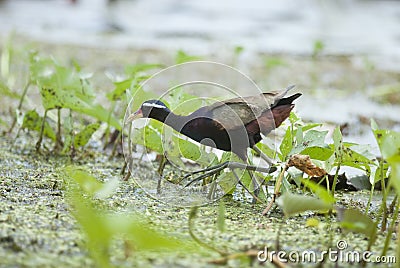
(345, 27)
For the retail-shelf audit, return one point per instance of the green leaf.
(312, 222)
(338, 142)
(61, 78)
(86, 182)
(144, 237)
(299, 136)
(182, 57)
(6, 91)
(6, 58)
(362, 149)
(310, 126)
(294, 204)
(183, 103)
(379, 173)
(68, 133)
(238, 50)
(389, 145)
(82, 138)
(354, 220)
(273, 62)
(353, 159)
(62, 87)
(139, 96)
(227, 181)
(395, 175)
(318, 153)
(221, 217)
(99, 112)
(312, 144)
(135, 70)
(388, 141)
(102, 226)
(293, 118)
(149, 137)
(320, 191)
(318, 48)
(55, 99)
(374, 125)
(270, 152)
(33, 121)
(2, 122)
(132, 84)
(119, 89)
(286, 144)
(189, 150)
(313, 138)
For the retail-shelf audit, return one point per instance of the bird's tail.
(288, 100)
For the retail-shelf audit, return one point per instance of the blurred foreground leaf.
(356, 221)
(294, 203)
(320, 191)
(102, 227)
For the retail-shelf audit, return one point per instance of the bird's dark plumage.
(231, 125)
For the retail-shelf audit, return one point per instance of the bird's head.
(149, 109)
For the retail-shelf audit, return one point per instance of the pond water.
(344, 27)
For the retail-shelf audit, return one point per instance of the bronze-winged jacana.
(231, 125)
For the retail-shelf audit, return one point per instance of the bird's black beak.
(134, 116)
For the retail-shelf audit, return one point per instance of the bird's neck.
(169, 118)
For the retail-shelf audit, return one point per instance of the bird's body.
(231, 125)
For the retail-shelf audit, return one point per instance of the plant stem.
(276, 192)
(21, 100)
(117, 141)
(370, 198)
(384, 199)
(335, 178)
(391, 229)
(192, 216)
(58, 144)
(107, 131)
(398, 243)
(39, 142)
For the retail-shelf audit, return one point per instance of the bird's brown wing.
(238, 112)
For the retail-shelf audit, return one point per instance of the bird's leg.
(255, 197)
(256, 187)
(206, 169)
(160, 171)
(163, 163)
(229, 164)
(233, 165)
(39, 142)
(211, 193)
(209, 172)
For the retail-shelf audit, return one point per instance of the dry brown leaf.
(303, 163)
